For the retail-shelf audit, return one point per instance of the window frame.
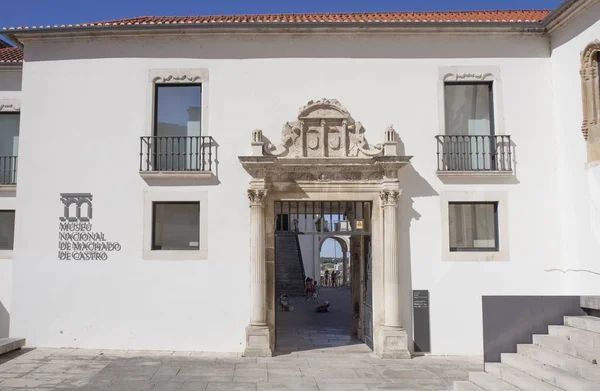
(501, 197)
(490, 84)
(154, 204)
(472, 73)
(170, 85)
(14, 212)
(162, 194)
(177, 76)
(496, 248)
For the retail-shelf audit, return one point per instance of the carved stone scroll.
(324, 129)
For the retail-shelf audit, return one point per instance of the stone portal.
(324, 155)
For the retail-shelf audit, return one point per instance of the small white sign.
(193, 244)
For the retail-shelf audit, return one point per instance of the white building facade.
(137, 147)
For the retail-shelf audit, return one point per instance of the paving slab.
(331, 369)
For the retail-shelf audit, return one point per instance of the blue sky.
(44, 12)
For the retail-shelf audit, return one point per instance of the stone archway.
(324, 155)
(344, 243)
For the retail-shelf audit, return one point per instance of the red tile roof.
(11, 55)
(498, 16)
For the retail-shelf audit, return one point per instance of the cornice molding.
(559, 18)
(287, 29)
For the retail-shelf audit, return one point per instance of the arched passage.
(344, 243)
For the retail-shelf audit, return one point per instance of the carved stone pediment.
(324, 128)
(325, 144)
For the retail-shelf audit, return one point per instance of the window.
(9, 146)
(590, 90)
(177, 126)
(473, 226)
(176, 226)
(177, 110)
(469, 117)
(468, 109)
(7, 229)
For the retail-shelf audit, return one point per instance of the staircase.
(566, 359)
(289, 267)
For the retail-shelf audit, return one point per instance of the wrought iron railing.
(8, 170)
(474, 153)
(176, 153)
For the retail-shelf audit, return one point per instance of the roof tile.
(490, 16)
(11, 55)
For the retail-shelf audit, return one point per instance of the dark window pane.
(473, 226)
(178, 110)
(7, 229)
(468, 109)
(176, 226)
(9, 134)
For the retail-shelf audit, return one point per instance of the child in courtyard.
(308, 289)
(315, 293)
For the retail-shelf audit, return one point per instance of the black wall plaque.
(421, 321)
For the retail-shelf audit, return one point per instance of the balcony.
(459, 155)
(177, 157)
(8, 171)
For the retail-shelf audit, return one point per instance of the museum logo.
(76, 238)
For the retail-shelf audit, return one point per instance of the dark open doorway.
(303, 257)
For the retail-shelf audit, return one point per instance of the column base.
(257, 341)
(394, 343)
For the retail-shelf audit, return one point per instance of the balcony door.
(177, 144)
(9, 147)
(470, 125)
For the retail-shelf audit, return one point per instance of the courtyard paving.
(314, 352)
(327, 369)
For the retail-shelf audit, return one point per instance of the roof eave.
(17, 35)
(11, 65)
(564, 13)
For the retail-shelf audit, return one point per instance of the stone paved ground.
(326, 369)
(315, 352)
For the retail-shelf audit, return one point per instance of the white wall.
(307, 247)
(86, 108)
(10, 91)
(578, 209)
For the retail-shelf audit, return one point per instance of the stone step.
(589, 323)
(517, 378)
(561, 361)
(592, 302)
(568, 347)
(585, 337)
(488, 382)
(10, 344)
(465, 386)
(554, 376)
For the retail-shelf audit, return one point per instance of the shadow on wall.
(4, 321)
(413, 186)
(301, 46)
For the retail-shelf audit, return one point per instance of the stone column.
(257, 332)
(344, 268)
(394, 340)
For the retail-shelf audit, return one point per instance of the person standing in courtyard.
(326, 278)
(333, 277)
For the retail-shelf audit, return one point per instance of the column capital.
(389, 197)
(257, 197)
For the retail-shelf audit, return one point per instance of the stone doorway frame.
(324, 156)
